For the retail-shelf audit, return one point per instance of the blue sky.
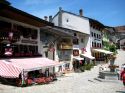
(108, 12)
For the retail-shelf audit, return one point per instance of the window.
(92, 44)
(26, 32)
(82, 40)
(75, 34)
(75, 52)
(95, 35)
(99, 36)
(5, 28)
(34, 34)
(100, 45)
(95, 44)
(4, 25)
(75, 41)
(67, 20)
(64, 55)
(92, 34)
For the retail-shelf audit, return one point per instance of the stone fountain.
(110, 74)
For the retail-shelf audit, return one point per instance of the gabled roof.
(90, 19)
(13, 13)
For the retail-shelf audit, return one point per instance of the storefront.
(77, 63)
(28, 71)
(61, 41)
(101, 55)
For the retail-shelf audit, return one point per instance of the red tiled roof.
(120, 28)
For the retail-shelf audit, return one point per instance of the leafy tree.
(112, 48)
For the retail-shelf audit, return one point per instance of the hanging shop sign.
(28, 41)
(83, 50)
(8, 51)
(52, 49)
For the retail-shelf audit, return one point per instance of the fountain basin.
(107, 75)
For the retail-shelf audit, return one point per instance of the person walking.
(122, 76)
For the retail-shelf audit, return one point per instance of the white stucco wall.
(93, 39)
(74, 22)
(85, 44)
(77, 23)
(55, 20)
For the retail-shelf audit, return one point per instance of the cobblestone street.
(75, 83)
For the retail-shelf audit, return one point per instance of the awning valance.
(88, 56)
(78, 58)
(13, 67)
(102, 51)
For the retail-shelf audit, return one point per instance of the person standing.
(122, 76)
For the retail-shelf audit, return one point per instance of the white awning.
(103, 51)
(78, 58)
(88, 56)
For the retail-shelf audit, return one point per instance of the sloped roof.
(120, 28)
(13, 13)
(93, 21)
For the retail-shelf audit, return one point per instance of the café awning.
(102, 51)
(13, 67)
(86, 55)
(8, 70)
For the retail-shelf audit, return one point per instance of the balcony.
(65, 46)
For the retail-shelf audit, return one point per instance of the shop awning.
(13, 67)
(102, 51)
(78, 58)
(8, 70)
(33, 63)
(88, 56)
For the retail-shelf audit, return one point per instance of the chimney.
(50, 18)
(45, 18)
(60, 8)
(81, 12)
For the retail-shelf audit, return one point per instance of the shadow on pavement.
(120, 91)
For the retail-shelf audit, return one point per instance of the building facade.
(24, 30)
(120, 36)
(96, 36)
(79, 27)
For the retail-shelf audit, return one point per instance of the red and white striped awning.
(8, 70)
(13, 67)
